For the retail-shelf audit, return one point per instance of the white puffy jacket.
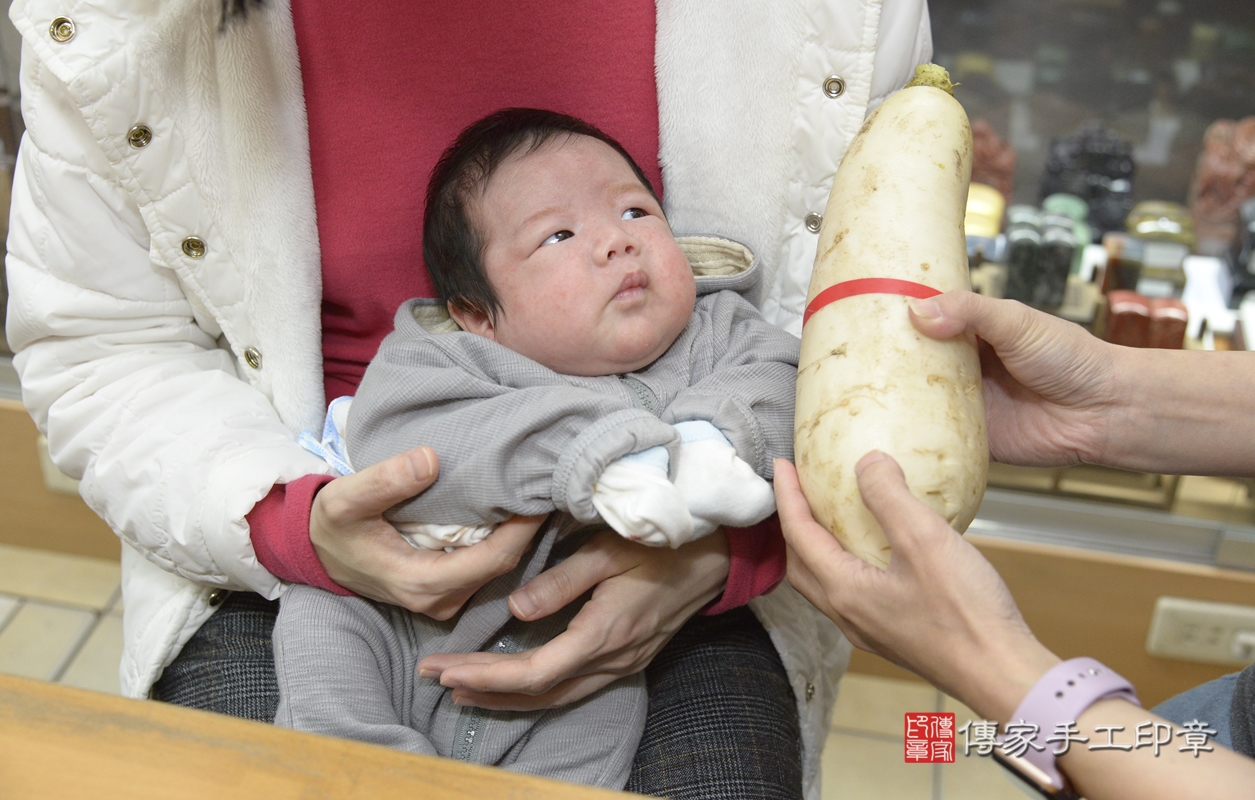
(165, 285)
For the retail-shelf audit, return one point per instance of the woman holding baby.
(214, 221)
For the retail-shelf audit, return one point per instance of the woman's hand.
(363, 552)
(1050, 387)
(939, 610)
(643, 596)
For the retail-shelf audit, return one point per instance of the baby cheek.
(686, 312)
(563, 300)
(683, 271)
(687, 290)
(680, 310)
(565, 313)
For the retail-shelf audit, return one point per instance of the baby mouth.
(633, 285)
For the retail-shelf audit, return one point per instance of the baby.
(592, 375)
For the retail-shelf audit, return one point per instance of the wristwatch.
(1033, 781)
(1060, 696)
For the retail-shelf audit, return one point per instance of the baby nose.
(619, 243)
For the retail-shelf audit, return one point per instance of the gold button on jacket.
(139, 136)
(194, 247)
(61, 29)
(252, 357)
(834, 87)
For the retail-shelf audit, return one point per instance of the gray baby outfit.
(514, 437)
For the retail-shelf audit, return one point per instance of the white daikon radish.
(867, 380)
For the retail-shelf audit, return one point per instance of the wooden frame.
(60, 742)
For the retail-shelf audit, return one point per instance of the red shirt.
(388, 86)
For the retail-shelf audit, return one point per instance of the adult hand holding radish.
(1049, 386)
(893, 229)
(1051, 392)
(1055, 395)
(941, 610)
(937, 608)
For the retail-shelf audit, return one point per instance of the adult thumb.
(882, 485)
(373, 490)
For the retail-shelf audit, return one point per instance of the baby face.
(589, 278)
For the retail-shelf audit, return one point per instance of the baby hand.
(718, 487)
(635, 498)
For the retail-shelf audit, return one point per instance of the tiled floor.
(864, 759)
(60, 620)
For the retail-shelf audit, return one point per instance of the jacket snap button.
(810, 691)
(194, 247)
(217, 596)
(834, 87)
(61, 29)
(813, 222)
(139, 136)
(252, 357)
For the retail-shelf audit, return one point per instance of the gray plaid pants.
(722, 720)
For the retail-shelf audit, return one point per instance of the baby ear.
(472, 321)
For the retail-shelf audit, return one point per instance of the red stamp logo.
(929, 738)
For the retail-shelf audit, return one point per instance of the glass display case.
(1120, 103)
(1155, 73)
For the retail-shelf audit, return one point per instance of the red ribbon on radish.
(845, 289)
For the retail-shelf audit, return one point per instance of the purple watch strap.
(1062, 695)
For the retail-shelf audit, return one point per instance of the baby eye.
(635, 213)
(558, 237)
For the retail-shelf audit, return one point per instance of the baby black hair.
(452, 248)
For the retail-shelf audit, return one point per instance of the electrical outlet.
(1194, 630)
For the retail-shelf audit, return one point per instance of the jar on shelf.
(1023, 243)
